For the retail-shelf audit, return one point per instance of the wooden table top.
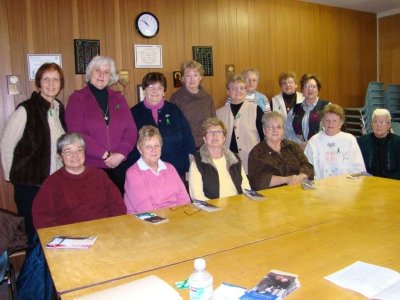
(127, 246)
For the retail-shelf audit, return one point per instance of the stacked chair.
(392, 101)
(358, 120)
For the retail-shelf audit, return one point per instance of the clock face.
(147, 24)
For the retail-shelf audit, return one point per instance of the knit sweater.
(146, 190)
(196, 108)
(265, 163)
(66, 198)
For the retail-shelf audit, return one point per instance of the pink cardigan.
(146, 191)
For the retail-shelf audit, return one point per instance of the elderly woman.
(101, 115)
(288, 97)
(172, 124)
(28, 145)
(331, 151)
(381, 148)
(242, 120)
(252, 77)
(152, 183)
(216, 171)
(194, 102)
(303, 120)
(276, 161)
(76, 192)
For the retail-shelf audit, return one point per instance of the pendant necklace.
(105, 114)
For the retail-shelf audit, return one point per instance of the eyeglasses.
(289, 82)
(189, 209)
(153, 87)
(215, 132)
(381, 123)
(270, 127)
(237, 88)
(69, 153)
(310, 87)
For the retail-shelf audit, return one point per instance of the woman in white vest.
(242, 120)
(288, 97)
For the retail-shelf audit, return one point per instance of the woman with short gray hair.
(102, 116)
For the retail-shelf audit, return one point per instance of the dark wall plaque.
(85, 50)
(204, 56)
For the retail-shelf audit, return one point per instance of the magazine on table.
(276, 285)
(253, 195)
(206, 206)
(70, 242)
(151, 218)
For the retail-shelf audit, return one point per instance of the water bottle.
(200, 282)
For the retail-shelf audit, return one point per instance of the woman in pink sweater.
(152, 183)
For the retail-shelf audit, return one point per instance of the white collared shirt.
(144, 167)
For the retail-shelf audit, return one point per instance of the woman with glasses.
(288, 97)
(331, 151)
(101, 115)
(381, 148)
(216, 172)
(303, 120)
(168, 118)
(76, 192)
(242, 120)
(152, 183)
(277, 161)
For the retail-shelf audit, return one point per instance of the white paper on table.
(150, 287)
(367, 279)
(227, 291)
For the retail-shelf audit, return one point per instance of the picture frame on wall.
(36, 60)
(139, 93)
(203, 55)
(148, 56)
(85, 50)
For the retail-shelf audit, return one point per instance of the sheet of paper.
(364, 278)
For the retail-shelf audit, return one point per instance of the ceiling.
(373, 6)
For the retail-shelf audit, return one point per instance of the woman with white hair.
(380, 149)
(102, 116)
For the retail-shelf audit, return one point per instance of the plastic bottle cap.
(199, 264)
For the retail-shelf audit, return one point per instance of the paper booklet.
(70, 242)
(372, 281)
(151, 218)
(276, 285)
(204, 205)
(253, 195)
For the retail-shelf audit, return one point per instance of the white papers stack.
(372, 281)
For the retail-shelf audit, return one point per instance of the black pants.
(117, 176)
(23, 197)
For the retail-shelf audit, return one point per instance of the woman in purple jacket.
(102, 117)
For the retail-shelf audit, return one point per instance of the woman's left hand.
(114, 160)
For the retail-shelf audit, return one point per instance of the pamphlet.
(358, 175)
(276, 285)
(253, 195)
(372, 281)
(70, 242)
(308, 185)
(228, 291)
(151, 218)
(206, 206)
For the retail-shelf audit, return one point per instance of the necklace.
(105, 114)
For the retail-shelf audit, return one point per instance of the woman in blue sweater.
(177, 137)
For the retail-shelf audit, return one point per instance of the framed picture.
(203, 55)
(36, 60)
(148, 56)
(85, 50)
(139, 93)
(176, 76)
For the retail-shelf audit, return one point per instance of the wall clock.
(147, 25)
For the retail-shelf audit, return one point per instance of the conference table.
(311, 233)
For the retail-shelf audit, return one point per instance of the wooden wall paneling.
(243, 41)
(389, 49)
